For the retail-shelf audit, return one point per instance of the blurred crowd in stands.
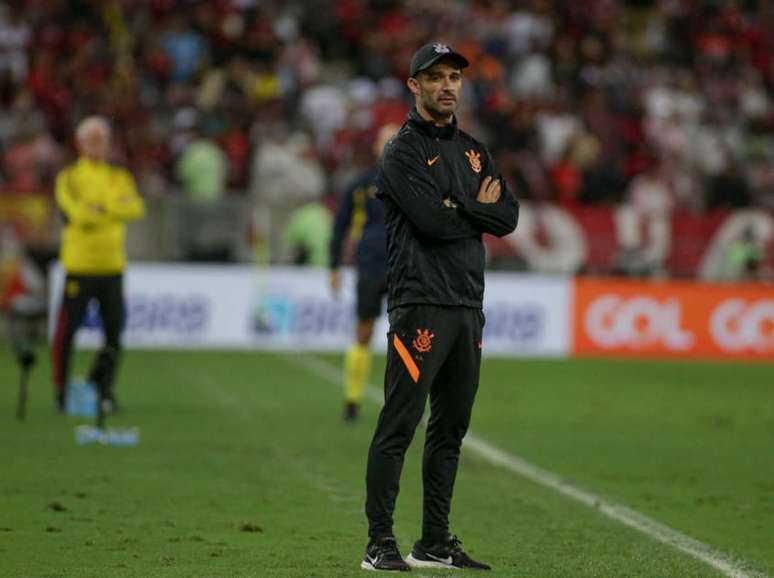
(657, 105)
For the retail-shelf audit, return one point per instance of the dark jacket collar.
(427, 127)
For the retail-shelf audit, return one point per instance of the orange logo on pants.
(423, 342)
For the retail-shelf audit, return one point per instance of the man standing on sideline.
(441, 191)
(96, 199)
(362, 215)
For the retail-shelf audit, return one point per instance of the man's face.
(95, 144)
(438, 89)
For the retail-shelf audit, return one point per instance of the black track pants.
(435, 350)
(79, 290)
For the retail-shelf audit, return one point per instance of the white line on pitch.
(722, 562)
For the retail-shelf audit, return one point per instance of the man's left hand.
(489, 192)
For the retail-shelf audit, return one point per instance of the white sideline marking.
(650, 527)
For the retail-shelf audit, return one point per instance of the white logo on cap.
(441, 48)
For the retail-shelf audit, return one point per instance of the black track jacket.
(435, 252)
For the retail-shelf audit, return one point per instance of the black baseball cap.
(431, 53)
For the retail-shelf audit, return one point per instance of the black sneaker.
(351, 412)
(382, 554)
(448, 554)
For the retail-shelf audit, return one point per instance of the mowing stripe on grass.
(646, 525)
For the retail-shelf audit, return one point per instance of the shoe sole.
(368, 566)
(417, 563)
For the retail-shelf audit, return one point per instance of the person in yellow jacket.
(96, 199)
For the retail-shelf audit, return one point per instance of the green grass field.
(246, 469)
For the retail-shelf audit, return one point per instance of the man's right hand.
(335, 281)
(489, 192)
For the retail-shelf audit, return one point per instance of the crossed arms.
(406, 180)
(122, 203)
